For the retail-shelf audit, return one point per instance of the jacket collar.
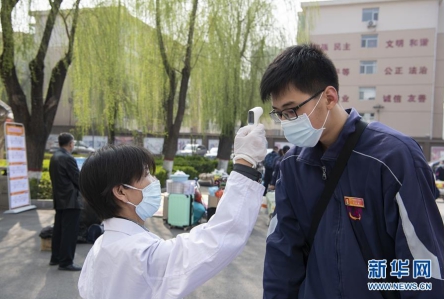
(64, 151)
(127, 227)
(314, 155)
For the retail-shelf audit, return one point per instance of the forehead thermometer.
(254, 115)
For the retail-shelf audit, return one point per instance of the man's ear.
(119, 192)
(331, 97)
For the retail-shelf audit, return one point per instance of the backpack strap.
(333, 179)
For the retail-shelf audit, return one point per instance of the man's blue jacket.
(386, 171)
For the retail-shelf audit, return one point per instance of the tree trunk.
(38, 125)
(170, 148)
(173, 128)
(225, 146)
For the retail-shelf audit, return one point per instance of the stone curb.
(45, 204)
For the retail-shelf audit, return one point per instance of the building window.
(369, 41)
(368, 67)
(368, 117)
(366, 93)
(370, 14)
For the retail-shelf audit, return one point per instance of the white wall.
(393, 15)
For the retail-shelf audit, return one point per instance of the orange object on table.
(219, 193)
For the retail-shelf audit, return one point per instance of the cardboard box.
(213, 201)
(45, 244)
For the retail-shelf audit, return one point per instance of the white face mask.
(300, 131)
(151, 200)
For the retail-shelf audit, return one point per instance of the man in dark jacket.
(269, 162)
(276, 168)
(439, 172)
(387, 189)
(64, 175)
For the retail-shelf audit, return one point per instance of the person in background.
(269, 162)
(276, 169)
(64, 175)
(387, 189)
(439, 172)
(128, 261)
(198, 207)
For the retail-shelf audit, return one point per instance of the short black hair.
(286, 148)
(65, 139)
(112, 166)
(305, 67)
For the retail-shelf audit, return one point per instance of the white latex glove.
(250, 144)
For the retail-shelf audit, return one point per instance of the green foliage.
(230, 167)
(45, 165)
(118, 79)
(159, 162)
(161, 175)
(191, 165)
(188, 170)
(120, 73)
(34, 188)
(238, 28)
(45, 190)
(200, 164)
(41, 189)
(306, 22)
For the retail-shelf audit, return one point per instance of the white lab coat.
(128, 261)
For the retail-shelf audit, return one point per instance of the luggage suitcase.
(180, 211)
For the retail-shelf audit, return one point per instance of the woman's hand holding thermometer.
(250, 141)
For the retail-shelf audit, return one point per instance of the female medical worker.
(128, 261)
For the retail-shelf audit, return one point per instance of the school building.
(389, 56)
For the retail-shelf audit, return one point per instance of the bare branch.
(7, 57)
(73, 31)
(64, 18)
(162, 48)
(59, 72)
(38, 61)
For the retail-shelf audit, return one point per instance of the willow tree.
(177, 62)
(117, 77)
(37, 116)
(306, 22)
(232, 58)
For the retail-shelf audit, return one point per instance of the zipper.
(324, 176)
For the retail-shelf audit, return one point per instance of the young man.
(64, 175)
(386, 175)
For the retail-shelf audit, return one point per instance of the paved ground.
(25, 274)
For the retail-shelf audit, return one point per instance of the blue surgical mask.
(151, 200)
(300, 131)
